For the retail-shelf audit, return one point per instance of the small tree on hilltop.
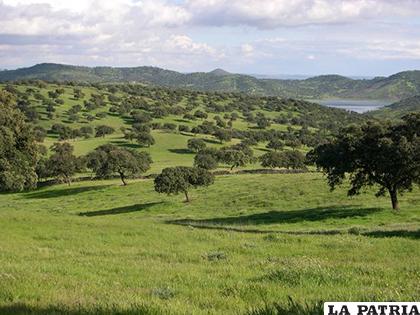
(180, 179)
(382, 154)
(109, 159)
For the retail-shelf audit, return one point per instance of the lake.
(359, 106)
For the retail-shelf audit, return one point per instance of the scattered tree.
(180, 179)
(109, 159)
(145, 139)
(374, 154)
(223, 135)
(196, 144)
(63, 164)
(103, 130)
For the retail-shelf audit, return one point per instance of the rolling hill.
(398, 109)
(173, 117)
(395, 87)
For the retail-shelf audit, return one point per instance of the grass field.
(243, 243)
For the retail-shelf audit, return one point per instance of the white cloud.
(279, 13)
(181, 34)
(247, 50)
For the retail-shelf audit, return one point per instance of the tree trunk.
(232, 167)
(394, 199)
(187, 199)
(123, 179)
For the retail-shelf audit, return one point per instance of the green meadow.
(249, 244)
(240, 246)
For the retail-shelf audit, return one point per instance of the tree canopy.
(109, 159)
(18, 150)
(180, 179)
(374, 154)
(63, 164)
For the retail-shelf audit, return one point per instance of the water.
(359, 106)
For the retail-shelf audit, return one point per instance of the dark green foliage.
(86, 131)
(39, 133)
(382, 154)
(141, 117)
(109, 159)
(236, 155)
(263, 122)
(64, 132)
(169, 126)
(205, 160)
(287, 159)
(196, 144)
(103, 130)
(223, 135)
(62, 164)
(275, 144)
(180, 179)
(145, 139)
(18, 151)
(294, 160)
(184, 128)
(200, 114)
(272, 159)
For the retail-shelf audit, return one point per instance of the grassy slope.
(125, 252)
(170, 148)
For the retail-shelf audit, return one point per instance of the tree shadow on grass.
(24, 309)
(124, 144)
(120, 210)
(180, 151)
(294, 216)
(414, 234)
(56, 193)
(211, 141)
(182, 120)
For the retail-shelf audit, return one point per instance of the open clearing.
(243, 242)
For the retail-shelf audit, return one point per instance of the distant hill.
(398, 109)
(395, 87)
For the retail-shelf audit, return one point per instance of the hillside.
(396, 87)
(398, 109)
(73, 113)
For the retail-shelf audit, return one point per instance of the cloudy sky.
(349, 37)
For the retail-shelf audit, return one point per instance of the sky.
(309, 37)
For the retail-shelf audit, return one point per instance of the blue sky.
(348, 37)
